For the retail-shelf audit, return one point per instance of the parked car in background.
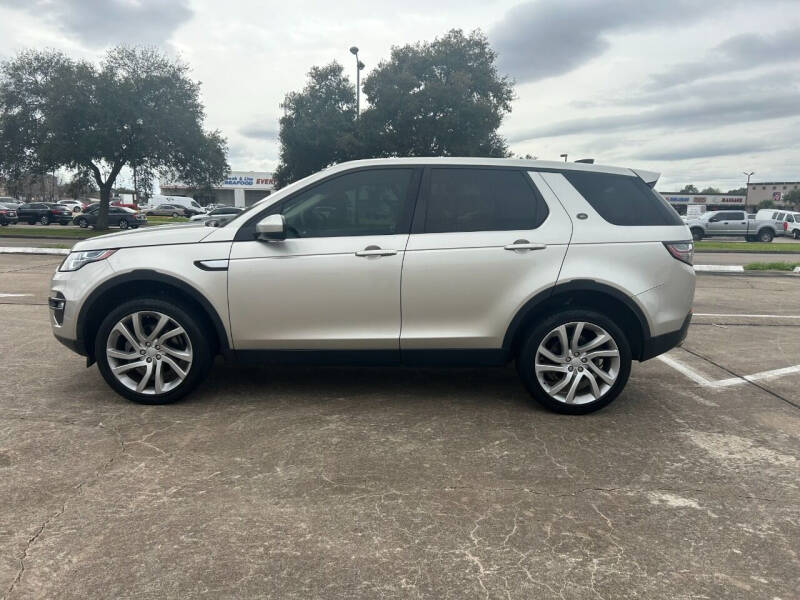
(571, 271)
(10, 200)
(189, 204)
(734, 223)
(122, 204)
(44, 213)
(776, 216)
(791, 225)
(118, 216)
(222, 215)
(168, 210)
(75, 206)
(8, 214)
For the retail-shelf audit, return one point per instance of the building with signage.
(680, 202)
(770, 190)
(239, 188)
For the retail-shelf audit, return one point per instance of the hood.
(158, 235)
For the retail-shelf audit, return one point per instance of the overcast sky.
(697, 90)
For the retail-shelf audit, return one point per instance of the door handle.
(524, 245)
(375, 251)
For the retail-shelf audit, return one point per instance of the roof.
(648, 176)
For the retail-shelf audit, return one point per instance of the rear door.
(735, 223)
(483, 242)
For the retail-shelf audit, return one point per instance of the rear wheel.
(765, 235)
(697, 234)
(123, 224)
(44, 220)
(797, 234)
(175, 215)
(575, 362)
(83, 223)
(152, 351)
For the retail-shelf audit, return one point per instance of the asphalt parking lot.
(396, 483)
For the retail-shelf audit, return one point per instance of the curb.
(719, 268)
(29, 250)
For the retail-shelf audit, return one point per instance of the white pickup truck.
(733, 223)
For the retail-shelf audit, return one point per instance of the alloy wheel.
(149, 352)
(577, 363)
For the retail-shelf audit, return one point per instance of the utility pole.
(359, 67)
(564, 156)
(747, 188)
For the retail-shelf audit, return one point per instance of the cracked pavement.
(403, 483)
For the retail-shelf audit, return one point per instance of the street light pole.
(359, 66)
(747, 188)
(564, 156)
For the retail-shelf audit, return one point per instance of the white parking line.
(747, 316)
(2, 295)
(690, 373)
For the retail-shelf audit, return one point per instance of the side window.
(369, 202)
(482, 200)
(623, 199)
(738, 216)
(789, 219)
(780, 216)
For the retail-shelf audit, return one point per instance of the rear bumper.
(660, 344)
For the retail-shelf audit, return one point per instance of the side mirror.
(211, 223)
(272, 227)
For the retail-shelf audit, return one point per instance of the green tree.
(689, 189)
(710, 190)
(766, 204)
(440, 98)
(138, 107)
(318, 126)
(738, 192)
(792, 199)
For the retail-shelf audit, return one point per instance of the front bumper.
(660, 344)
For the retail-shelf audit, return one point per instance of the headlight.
(75, 260)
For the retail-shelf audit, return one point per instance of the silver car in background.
(572, 271)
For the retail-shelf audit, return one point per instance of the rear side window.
(622, 199)
(482, 200)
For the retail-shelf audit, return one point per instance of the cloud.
(98, 23)
(260, 131)
(707, 113)
(737, 53)
(551, 37)
(708, 150)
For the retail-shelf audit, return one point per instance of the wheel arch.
(584, 293)
(144, 282)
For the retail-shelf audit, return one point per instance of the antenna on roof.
(588, 161)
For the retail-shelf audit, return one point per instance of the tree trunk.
(102, 212)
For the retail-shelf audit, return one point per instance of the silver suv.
(570, 270)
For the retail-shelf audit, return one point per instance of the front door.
(334, 282)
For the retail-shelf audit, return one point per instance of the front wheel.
(152, 351)
(83, 223)
(697, 234)
(575, 362)
(44, 220)
(175, 215)
(123, 224)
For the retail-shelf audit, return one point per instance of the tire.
(797, 234)
(134, 226)
(585, 399)
(123, 224)
(697, 234)
(83, 223)
(31, 222)
(4, 223)
(765, 235)
(44, 220)
(175, 215)
(76, 209)
(193, 341)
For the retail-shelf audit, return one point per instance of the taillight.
(786, 226)
(683, 251)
